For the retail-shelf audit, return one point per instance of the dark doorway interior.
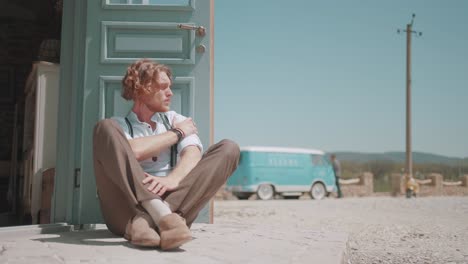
(29, 31)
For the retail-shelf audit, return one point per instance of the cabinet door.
(40, 133)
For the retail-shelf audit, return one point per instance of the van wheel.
(265, 192)
(318, 192)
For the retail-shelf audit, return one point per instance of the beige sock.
(157, 209)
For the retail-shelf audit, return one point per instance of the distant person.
(151, 176)
(337, 169)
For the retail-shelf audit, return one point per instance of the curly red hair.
(140, 77)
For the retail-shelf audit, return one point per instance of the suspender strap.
(130, 128)
(168, 127)
(173, 147)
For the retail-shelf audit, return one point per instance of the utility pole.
(409, 157)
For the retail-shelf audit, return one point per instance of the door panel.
(118, 32)
(112, 104)
(123, 42)
(152, 4)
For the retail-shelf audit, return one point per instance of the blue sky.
(330, 74)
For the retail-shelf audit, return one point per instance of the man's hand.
(159, 185)
(187, 125)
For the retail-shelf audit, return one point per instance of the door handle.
(201, 32)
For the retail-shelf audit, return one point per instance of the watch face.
(154, 159)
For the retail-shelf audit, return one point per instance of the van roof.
(282, 150)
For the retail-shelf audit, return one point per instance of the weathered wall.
(365, 187)
(435, 188)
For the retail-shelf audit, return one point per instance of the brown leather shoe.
(140, 231)
(174, 231)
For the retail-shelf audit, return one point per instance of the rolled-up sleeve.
(192, 140)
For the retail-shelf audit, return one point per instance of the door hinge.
(77, 177)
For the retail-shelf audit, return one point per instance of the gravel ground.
(381, 229)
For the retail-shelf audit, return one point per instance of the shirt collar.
(134, 118)
(156, 118)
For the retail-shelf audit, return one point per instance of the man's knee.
(104, 125)
(230, 149)
(104, 132)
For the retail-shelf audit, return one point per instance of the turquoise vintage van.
(267, 171)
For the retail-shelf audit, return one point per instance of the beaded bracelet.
(179, 133)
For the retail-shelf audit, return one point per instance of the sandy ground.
(381, 229)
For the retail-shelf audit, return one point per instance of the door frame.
(72, 77)
(211, 136)
(71, 84)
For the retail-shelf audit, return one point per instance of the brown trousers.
(119, 178)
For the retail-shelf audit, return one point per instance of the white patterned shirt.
(160, 165)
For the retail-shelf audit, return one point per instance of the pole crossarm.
(416, 33)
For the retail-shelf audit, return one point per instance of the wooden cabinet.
(40, 132)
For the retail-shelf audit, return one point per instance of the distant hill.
(418, 157)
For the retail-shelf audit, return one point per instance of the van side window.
(317, 160)
(282, 160)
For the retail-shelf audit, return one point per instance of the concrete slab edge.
(47, 229)
(35, 229)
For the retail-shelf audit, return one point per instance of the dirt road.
(381, 229)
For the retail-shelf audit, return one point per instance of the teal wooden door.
(117, 33)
